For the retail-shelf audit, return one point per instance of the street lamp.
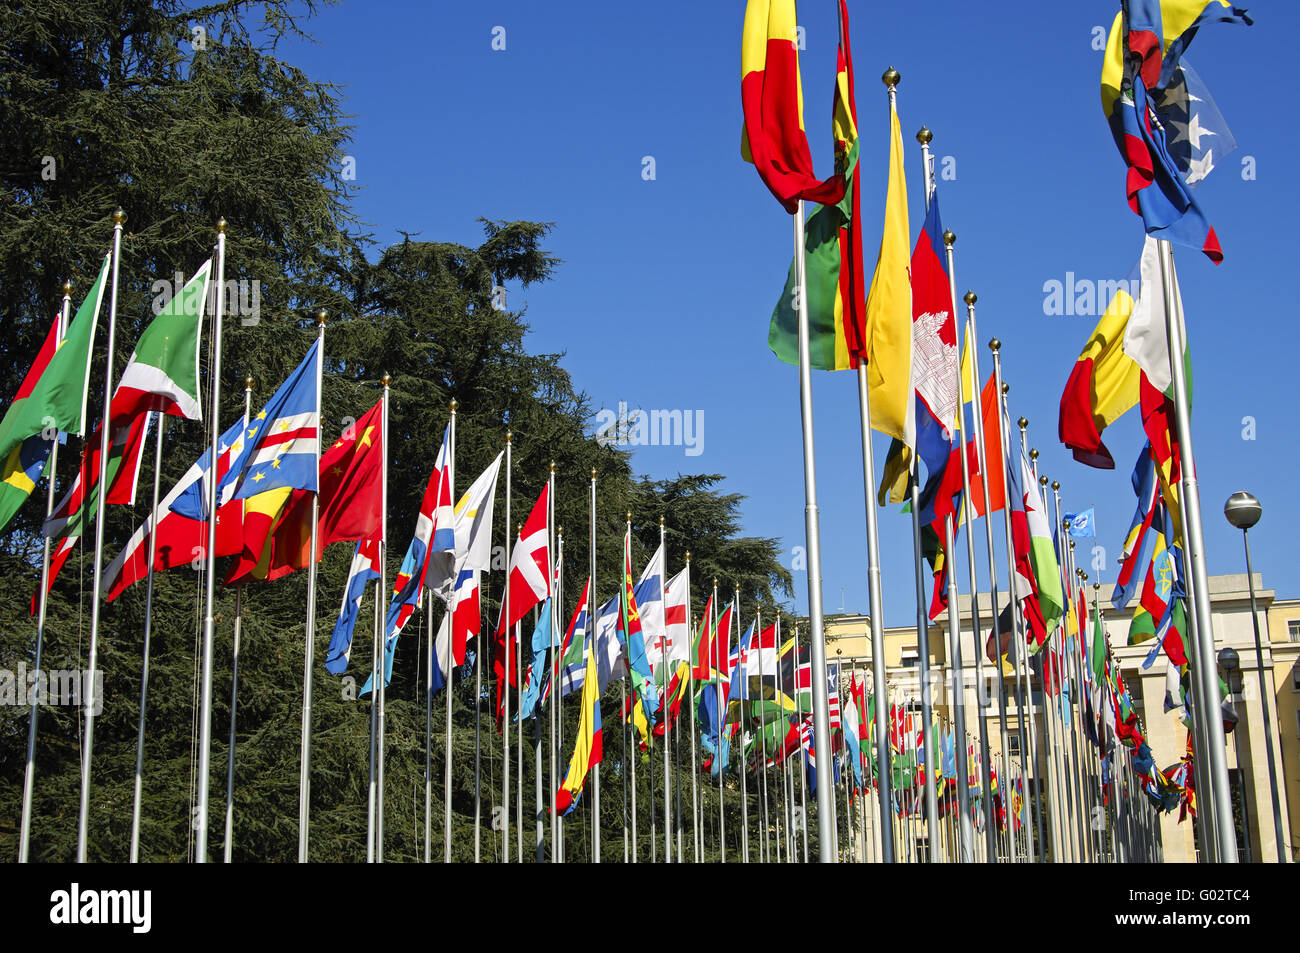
(1243, 511)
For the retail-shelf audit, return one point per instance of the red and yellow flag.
(771, 94)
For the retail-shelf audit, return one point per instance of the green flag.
(55, 402)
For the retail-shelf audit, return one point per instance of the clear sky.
(669, 280)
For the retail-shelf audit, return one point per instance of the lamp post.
(1243, 511)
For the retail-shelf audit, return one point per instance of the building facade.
(848, 643)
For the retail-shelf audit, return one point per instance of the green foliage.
(179, 137)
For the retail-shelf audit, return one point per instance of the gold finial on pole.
(995, 345)
(970, 297)
(321, 315)
(924, 136)
(222, 227)
(949, 237)
(385, 380)
(119, 217)
(891, 77)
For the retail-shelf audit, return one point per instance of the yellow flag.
(889, 308)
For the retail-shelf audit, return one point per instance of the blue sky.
(668, 283)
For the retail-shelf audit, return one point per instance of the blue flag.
(364, 561)
(541, 648)
(1081, 524)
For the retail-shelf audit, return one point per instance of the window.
(1293, 630)
(909, 657)
(1295, 677)
(1013, 741)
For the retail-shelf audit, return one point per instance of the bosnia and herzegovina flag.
(832, 252)
(773, 138)
(587, 746)
(1146, 42)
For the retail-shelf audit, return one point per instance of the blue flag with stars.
(281, 449)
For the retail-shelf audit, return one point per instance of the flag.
(649, 594)
(990, 414)
(541, 647)
(610, 664)
(283, 446)
(888, 335)
(365, 567)
(181, 541)
(434, 542)
(1102, 387)
(632, 637)
(1042, 551)
(1081, 524)
(472, 521)
(677, 627)
(771, 95)
(1135, 540)
(350, 479)
(573, 662)
(587, 746)
(1143, 51)
(52, 398)
(1025, 584)
(528, 583)
(833, 272)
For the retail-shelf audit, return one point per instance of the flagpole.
(591, 621)
(741, 653)
(627, 728)
(448, 672)
(977, 418)
(144, 668)
(503, 683)
(1194, 537)
(663, 665)
(537, 737)
(309, 653)
(765, 848)
(29, 772)
(691, 716)
(949, 240)
(228, 846)
(812, 530)
(716, 674)
(83, 817)
(1080, 819)
(1053, 828)
(379, 642)
(557, 607)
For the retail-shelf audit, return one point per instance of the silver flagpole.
(503, 683)
(29, 772)
(144, 667)
(715, 664)
(765, 848)
(557, 732)
(922, 615)
(1076, 693)
(1195, 553)
(1035, 762)
(431, 638)
(205, 697)
(977, 418)
(966, 854)
(802, 770)
(1017, 636)
(949, 240)
(378, 634)
(663, 665)
(628, 733)
(555, 560)
(741, 653)
(812, 528)
(519, 735)
(1049, 739)
(690, 720)
(83, 816)
(228, 846)
(451, 661)
(591, 623)
(539, 770)
(309, 653)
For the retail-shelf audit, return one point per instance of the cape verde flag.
(282, 445)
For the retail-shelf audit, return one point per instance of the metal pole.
(557, 607)
(765, 848)
(234, 667)
(1195, 554)
(448, 671)
(663, 665)
(690, 722)
(83, 816)
(592, 613)
(715, 664)
(1264, 700)
(959, 704)
(503, 684)
(309, 654)
(821, 717)
(29, 772)
(741, 657)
